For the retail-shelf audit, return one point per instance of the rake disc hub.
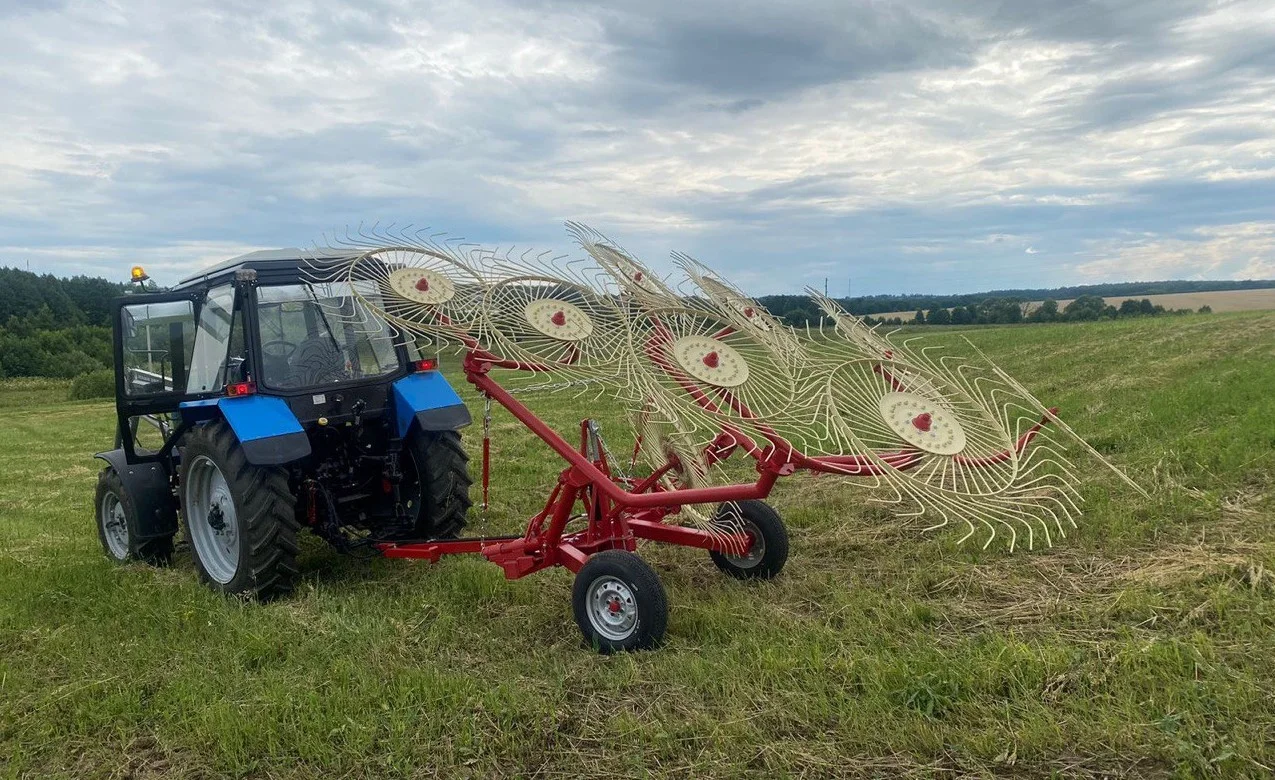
(421, 285)
(710, 361)
(559, 320)
(922, 423)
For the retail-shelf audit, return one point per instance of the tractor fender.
(148, 490)
(268, 431)
(428, 400)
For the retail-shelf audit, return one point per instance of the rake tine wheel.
(945, 437)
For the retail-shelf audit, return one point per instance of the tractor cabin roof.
(271, 265)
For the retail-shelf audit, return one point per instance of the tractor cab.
(276, 372)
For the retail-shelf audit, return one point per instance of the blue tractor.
(253, 402)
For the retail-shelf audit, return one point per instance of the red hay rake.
(707, 375)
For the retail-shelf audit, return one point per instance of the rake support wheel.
(619, 603)
(769, 551)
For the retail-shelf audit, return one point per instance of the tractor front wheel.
(239, 517)
(117, 525)
(619, 603)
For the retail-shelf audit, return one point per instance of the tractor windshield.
(320, 334)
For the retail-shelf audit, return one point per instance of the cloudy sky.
(901, 147)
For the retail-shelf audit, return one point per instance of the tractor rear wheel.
(619, 603)
(117, 525)
(436, 483)
(239, 517)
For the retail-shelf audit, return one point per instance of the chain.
(595, 433)
(486, 458)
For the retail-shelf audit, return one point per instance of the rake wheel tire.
(117, 525)
(619, 603)
(768, 530)
(265, 560)
(442, 466)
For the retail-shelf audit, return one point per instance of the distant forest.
(54, 327)
(781, 305)
(60, 327)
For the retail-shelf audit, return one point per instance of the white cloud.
(167, 264)
(209, 124)
(1240, 251)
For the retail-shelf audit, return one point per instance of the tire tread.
(265, 507)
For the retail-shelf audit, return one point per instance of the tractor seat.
(317, 361)
(277, 370)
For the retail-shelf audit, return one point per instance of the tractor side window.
(219, 351)
(157, 340)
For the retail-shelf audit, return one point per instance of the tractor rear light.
(236, 389)
(427, 364)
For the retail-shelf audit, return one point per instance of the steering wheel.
(278, 348)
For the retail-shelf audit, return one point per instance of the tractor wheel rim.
(114, 526)
(755, 553)
(612, 608)
(213, 522)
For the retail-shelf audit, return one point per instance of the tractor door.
(153, 339)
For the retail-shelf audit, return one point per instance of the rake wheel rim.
(612, 608)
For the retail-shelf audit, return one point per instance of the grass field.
(1142, 645)
(1219, 301)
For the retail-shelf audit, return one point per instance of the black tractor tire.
(769, 552)
(265, 560)
(442, 470)
(118, 527)
(619, 603)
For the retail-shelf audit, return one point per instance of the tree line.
(50, 326)
(878, 304)
(1086, 308)
(987, 311)
(60, 327)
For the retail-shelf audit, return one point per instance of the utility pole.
(825, 287)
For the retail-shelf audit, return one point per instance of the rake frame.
(619, 510)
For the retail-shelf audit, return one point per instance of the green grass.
(1143, 645)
